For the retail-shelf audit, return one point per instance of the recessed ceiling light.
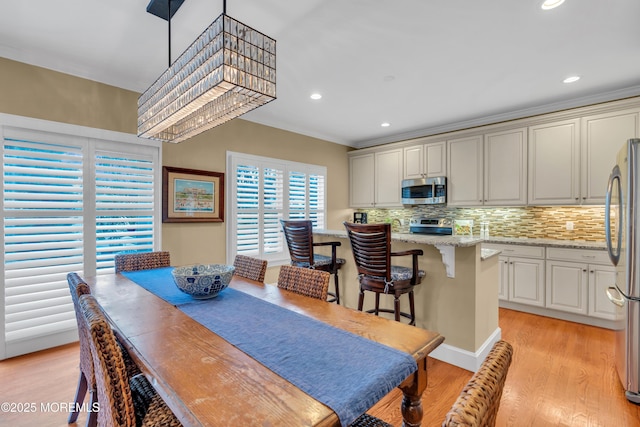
(571, 79)
(551, 4)
(385, 124)
(316, 96)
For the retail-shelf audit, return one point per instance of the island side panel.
(452, 306)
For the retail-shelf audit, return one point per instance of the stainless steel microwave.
(424, 191)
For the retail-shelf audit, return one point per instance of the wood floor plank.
(562, 374)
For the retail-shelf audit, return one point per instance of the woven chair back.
(304, 281)
(478, 403)
(77, 288)
(112, 383)
(250, 268)
(142, 261)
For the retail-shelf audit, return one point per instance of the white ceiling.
(423, 66)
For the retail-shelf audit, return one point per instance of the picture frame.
(190, 195)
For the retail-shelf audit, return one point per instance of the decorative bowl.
(203, 281)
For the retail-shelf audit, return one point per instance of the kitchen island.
(458, 296)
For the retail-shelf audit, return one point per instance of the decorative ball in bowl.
(203, 281)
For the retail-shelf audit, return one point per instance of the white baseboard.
(465, 359)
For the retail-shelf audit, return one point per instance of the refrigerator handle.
(614, 296)
(615, 177)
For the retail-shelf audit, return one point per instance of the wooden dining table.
(207, 381)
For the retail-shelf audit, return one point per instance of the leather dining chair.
(479, 401)
(250, 268)
(371, 247)
(142, 261)
(124, 401)
(304, 281)
(299, 236)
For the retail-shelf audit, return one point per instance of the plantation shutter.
(69, 204)
(262, 192)
(43, 233)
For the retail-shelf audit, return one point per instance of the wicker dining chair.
(123, 402)
(371, 247)
(86, 381)
(142, 261)
(299, 237)
(304, 281)
(478, 403)
(250, 268)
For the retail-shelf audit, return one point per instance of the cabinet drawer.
(517, 250)
(579, 255)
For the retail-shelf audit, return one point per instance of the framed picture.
(190, 195)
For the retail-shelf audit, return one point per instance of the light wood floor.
(562, 375)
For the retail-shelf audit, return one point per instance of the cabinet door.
(361, 181)
(503, 278)
(414, 162)
(526, 281)
(388, 178)
(435, 159)
(600, 278)
(464, 163)
(602, 137)
(554, 163)
(567, 286)
(505, 168)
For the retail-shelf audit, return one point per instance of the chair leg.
(377, 303)
(81, 391)
(360, 299)
(396, 306)
(337, 285)
(412, 309)
(92, 416)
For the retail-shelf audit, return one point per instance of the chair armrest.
(327, 244)
(334, 245)
(409, 252)
(415, 253)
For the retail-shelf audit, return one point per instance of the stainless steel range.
(433, 226)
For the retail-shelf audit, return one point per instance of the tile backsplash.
(532, 221)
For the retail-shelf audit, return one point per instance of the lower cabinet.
(557, 280)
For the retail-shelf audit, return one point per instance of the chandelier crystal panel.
(229, 69)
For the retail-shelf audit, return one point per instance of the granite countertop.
(569, 244)
(488, 253)
(459, 241)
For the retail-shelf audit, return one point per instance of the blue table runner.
(346, 372)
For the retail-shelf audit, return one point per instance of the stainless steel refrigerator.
(623, 244)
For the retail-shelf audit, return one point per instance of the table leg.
(412, 389)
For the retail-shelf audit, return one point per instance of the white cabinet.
(488, 169)
(505, 168)
(465, 171)
(570, 161)
(521, 274)
(602, 137)
(554, 163)
(425, 160)
(567, 286)
(577, 280)
(375, 179)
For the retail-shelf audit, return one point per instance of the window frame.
(287, 166)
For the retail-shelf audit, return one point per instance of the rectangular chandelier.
(228, 70)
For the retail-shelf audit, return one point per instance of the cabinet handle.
(577, 198)
(584, 271)
(592, 272)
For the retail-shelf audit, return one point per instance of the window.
(262, 192)
(70, 202)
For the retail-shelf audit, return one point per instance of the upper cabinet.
(570, 161)
(603, 135)
(425, 160)
(488, 170)
(554, 163)
(376, 179)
